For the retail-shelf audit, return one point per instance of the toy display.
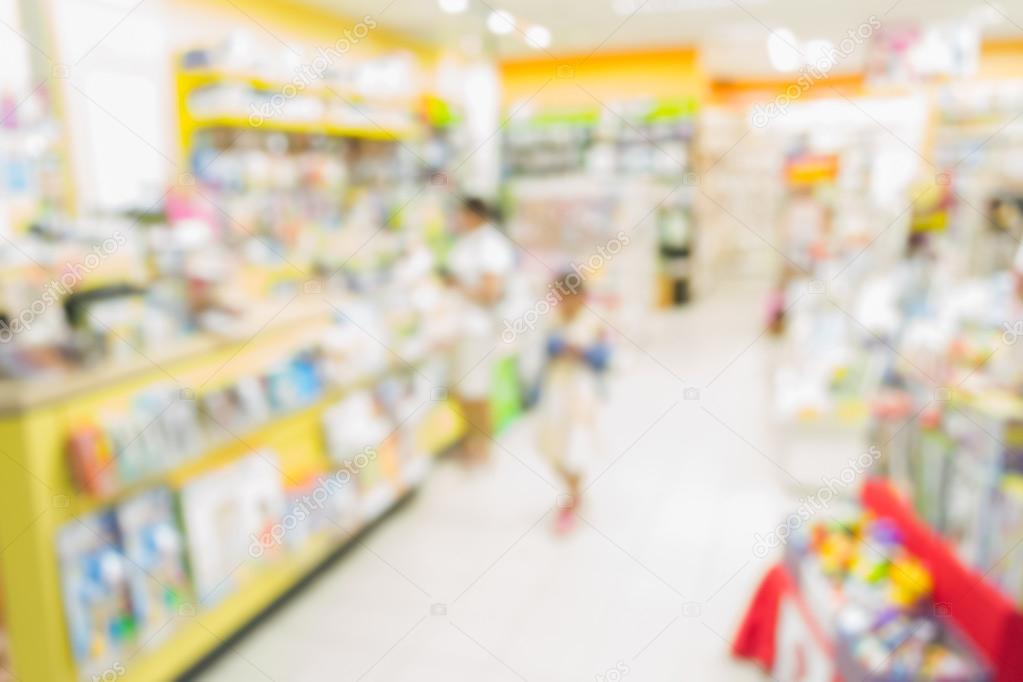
(894, 646)
(878, 604)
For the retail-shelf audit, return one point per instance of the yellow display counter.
(38, 494)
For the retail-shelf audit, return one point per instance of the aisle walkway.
(469, 582)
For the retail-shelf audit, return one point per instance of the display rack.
(40, 497)
(981, 610)
(189, 81)
(960, 595)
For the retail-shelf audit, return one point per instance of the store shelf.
(201, 77)
(205, 76)
(978, 607)
(191, 80)
(232, 448)
(39, 497)
(302, 127)
(208, 631)
(20, 395)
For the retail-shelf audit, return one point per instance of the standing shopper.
(480, 262)
(568, 418)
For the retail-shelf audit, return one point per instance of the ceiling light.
(782, 50)
(453, 6)
(501, 22)
(538, 37)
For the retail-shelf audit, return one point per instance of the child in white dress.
(568, 415)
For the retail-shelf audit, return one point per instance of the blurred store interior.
(511, 340)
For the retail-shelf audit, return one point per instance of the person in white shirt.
(480, 262)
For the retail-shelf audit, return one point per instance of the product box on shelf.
(975, 476)
(902, 647)
(353, 426)
(1006, 568)
(154, 431)
(96, 590)
(163, 427)
(155, 552)
(225, 512)
(324, 504)
(91, 460)
(933, 462)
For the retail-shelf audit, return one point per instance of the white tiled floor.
(654, 581)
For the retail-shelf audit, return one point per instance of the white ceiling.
(608, 25)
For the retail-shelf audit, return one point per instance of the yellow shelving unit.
(190, 80)
(39, 497)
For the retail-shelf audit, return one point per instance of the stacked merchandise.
(229, 517)
(30, 161)
(302, 185)
(982, 175)
(266, 211)
(787, 188)
(161, 428)
(241, 81)
(130, 570)
(33, 196)
(961, 469)
(739, 188)
(841, 226)
(266, 508)
(626, 139)
(297, 204)
(123, 578)
(31, 167)
(873, 599)
(361, 436)
(314, 207)
(824, 219)
(78, 298)
(829, 361)
(953, 450)
(830, 365)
